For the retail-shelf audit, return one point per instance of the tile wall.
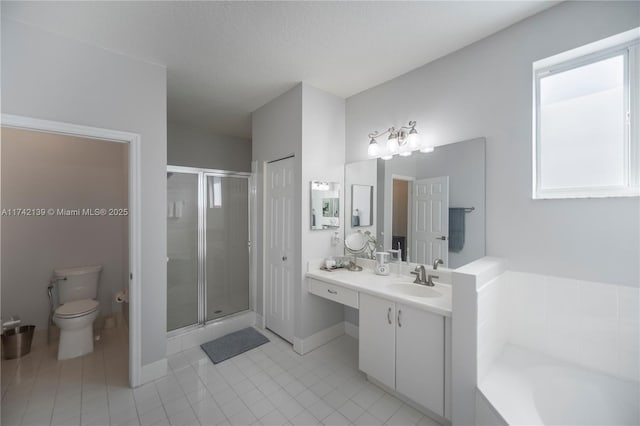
(592, 324)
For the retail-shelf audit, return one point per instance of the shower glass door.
(227, 253)
(207, 246)
(182, 249)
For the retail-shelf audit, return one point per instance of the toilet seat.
(77, 308)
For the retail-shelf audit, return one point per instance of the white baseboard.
(153, 371)
(351, 329)
(302, 346)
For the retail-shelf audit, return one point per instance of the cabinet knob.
(399, 317)
(389, 315)
(284, 258)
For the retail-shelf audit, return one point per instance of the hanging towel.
(456, 229)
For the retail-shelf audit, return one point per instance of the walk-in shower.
(207, 246)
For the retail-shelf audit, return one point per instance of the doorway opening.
(79, 185)
(420, 218)
(400, 215)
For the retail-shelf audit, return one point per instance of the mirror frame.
(334, 186)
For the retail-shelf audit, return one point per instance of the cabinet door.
(377, 339)
(420, 357)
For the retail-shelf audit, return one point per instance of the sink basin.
(415, 290)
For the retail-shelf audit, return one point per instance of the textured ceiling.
(226, 59)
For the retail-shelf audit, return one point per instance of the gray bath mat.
(233, 344)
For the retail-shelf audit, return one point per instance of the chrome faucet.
(437, 261)
(422, 278)
(420, 273)
(430, 282)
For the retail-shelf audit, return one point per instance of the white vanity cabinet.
(404, 348)
(377, 337)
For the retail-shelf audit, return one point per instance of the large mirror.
(432, 204)
(325, 205)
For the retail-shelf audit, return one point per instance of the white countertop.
(367, 281)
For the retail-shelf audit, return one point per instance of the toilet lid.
(77, 308)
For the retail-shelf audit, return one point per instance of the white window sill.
(566, 193)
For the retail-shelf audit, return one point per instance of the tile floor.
(269, 385)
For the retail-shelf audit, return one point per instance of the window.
(215, 191)
(585, 123)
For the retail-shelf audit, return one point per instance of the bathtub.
(525, 387)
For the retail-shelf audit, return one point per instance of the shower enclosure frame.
(202, 174)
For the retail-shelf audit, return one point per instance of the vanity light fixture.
(320, 186)
(402, 141)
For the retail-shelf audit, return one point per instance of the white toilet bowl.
(75, 320)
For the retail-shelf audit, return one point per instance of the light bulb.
(413, 139)
(392, 142)
(373, 149)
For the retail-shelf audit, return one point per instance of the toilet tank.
(80, 283)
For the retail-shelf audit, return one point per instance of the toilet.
(78, 308)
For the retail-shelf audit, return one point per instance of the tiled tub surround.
(558, 350)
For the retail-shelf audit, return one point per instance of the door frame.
(202, 174)
(135, 269)
(389, 230)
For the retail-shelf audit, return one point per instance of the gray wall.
(323, 126)
(309, 124)
(276, 131)
(61, 172)
(51, 77)
(192, 147)
(485, 90)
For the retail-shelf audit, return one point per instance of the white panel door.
(430, 221)
(377, 348)
(420, 357)
(279, 250)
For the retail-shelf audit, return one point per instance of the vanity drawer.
(334, 292)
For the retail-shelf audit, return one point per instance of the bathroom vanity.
(404, 331)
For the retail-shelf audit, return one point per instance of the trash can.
(16, 342)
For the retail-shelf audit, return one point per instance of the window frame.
(630, 51)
